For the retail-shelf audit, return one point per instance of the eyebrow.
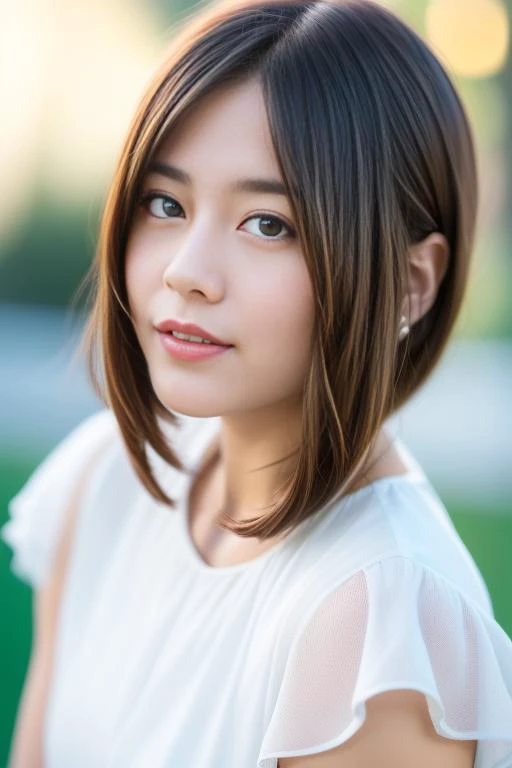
(266, 186)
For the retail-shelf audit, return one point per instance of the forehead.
(225, 130)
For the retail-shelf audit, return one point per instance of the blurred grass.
(486, 532)
(16, 608)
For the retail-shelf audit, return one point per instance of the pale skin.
(203, 252)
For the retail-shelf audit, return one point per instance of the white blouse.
(162, 660)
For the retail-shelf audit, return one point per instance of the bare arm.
(397, 733)
(27, 742)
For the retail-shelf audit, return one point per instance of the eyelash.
(150, 196)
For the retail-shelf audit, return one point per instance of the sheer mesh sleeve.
(394, 625)
(36, 512)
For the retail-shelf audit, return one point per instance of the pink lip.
(166, 326)
(189, 350)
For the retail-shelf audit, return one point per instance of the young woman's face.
(225, 258)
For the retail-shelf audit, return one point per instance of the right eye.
(160, 206)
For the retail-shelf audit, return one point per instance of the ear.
(428, 262)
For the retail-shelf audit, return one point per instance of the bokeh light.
(472, 37)
(22, 81)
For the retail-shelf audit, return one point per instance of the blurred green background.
(70, 99)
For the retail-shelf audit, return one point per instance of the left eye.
(160, 206)
(269, 226)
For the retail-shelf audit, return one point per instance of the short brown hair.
(375, 150)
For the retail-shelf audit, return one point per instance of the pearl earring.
(404, 328)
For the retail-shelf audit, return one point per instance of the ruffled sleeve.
(393, 625)
(36, 513)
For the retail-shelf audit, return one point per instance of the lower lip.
(189, 350)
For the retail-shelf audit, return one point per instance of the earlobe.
(428, 264)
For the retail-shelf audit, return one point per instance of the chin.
(186, 405)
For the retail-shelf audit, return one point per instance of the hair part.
(376, 152)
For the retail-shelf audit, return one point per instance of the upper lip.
(166, 326)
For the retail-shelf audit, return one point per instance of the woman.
(236, 563)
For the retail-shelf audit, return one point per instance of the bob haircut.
(376, 152)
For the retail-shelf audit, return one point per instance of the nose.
(192, 266)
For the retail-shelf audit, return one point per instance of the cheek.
(139, 278)
(286, 315)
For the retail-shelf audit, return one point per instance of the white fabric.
(162, 660)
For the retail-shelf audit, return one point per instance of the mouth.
(189, 332)
(190, 351)
(196, 342)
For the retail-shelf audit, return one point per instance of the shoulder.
(73, 451)
(422, 530)
(37, 512)
(394, 516)
(55, 478)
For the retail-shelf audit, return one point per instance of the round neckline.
(206, 442)
(200, 563)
